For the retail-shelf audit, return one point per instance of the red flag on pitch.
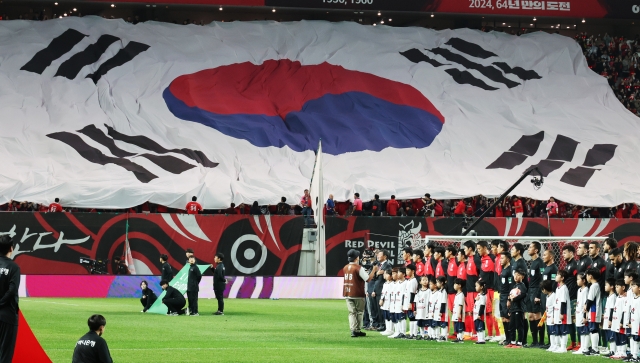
(28, 349)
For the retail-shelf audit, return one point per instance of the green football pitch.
(250, 331)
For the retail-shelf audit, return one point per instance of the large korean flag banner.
(105, 114)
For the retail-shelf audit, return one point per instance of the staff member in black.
(148, 296)
(188, 252)
(92, 348)
(506, 284)
(219, 282)
(167, 271)
(173, 299)
(534, 305)
(193, 282)
(9, 286)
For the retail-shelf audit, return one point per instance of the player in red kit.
(55, 207)
(407, 256)
(417, 260)
(462, 275)
(451, 272)
(193, 207)
(517, 205)
(473, 273)
(429, 261)
(441, 265)
(487, 274)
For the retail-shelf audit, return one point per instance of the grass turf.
(251, 331)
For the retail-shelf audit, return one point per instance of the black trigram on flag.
(70, 68)
(495, 72)
(123, 158)
(562, 151)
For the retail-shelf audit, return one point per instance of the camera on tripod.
(95, 267)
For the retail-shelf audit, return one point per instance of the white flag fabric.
(106, 114)
(318, 201)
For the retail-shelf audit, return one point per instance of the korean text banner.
(106, 114)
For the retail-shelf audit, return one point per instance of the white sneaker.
(386, 332)
(579, 351)
(560, 350)
(552, 348)
(393, 335)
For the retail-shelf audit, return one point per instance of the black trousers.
(174, 305)
(192, 296)
(220, 297)
(8, 334)
(145, 301)
(516, 325)
(379, 316)
(375, 311)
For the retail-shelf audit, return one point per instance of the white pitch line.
(47, 302)
(61, 303)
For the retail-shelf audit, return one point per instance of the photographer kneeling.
(353, 291)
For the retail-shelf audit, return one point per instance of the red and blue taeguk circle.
(283, 103)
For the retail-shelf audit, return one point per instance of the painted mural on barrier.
(54, 243)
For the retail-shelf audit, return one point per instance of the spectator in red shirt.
(357, 205)
(55, 207)
(392, 210)
(517, 205)
(438, 211)
(633, 212)
(305, 203)
(232, 209)
(460, 208)
(193, 207)
(552, 208)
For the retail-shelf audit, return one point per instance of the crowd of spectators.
(616, 59)
(468, 207)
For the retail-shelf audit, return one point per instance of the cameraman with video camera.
(367, 262)
(378, 282)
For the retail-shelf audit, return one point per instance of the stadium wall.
(257, 287)
(266, 246)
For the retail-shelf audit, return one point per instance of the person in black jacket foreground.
(92, 348)
(219, 282)
(148, 296)
(9, 286)
(193, 282)
(173, 299)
